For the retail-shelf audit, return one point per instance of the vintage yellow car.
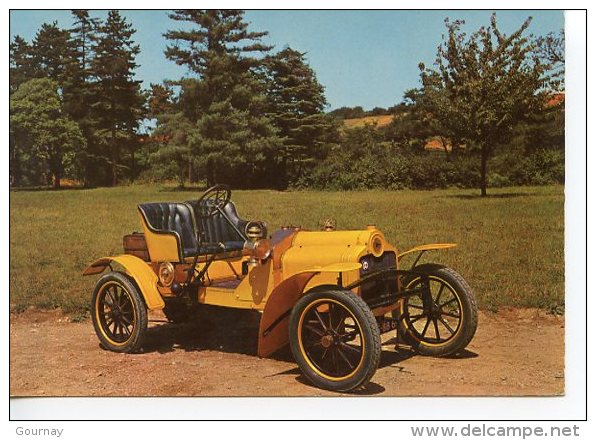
(330, 294)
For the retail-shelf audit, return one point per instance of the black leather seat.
(217, 233)
(175, 218)
(217, 229)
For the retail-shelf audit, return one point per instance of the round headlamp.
(166, 274)
(377, 245)
(254, 231)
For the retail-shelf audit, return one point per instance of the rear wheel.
(335, 339)
(442, 319)
(119, 313)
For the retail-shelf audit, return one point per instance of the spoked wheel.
(442, 319)
(119, 313)
(335, 339)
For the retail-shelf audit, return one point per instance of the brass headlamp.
(260, 247)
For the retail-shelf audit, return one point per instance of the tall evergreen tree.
(20, 71)
(21, 63)
(52, 54)
(79, 88)
(233, 139)
(297, 105)
(118, 103)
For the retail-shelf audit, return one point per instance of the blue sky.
(366, 58)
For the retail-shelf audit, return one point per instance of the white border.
(569, 407)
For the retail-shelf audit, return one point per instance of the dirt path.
(515, 352)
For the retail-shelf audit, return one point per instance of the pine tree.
(21, 63)
(118, 103)
(233, 139)
(78, 90)
(51, 52)
(297, 105)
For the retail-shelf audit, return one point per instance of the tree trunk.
(189, 170)
(56, 181)
(483, 161)
(114, 159)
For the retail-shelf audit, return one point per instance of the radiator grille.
(378, 292)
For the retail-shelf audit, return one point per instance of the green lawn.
(510, 243)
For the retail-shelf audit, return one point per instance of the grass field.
(510, 243)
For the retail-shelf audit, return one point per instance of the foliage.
(118, 104)
(483, 86)
(551, 49)
(232, 138)
(297, 104)
(41, 131)
(253, 118)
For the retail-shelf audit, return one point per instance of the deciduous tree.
(42, 131)
(482, 86)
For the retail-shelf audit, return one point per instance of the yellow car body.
(272, 275)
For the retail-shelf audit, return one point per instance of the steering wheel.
(212, 200)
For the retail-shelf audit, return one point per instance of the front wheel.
(119, 313)
(441, 319)
(335, 339)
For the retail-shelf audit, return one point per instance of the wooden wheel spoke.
(117, 296)
(349, 347)
(115, 331)
(415, 306)
(345, 358)
(426, 326)
(320, 319)
(448, 302)
(314, 330)
(125, 328)
(349, 336)
(438, 336)
(414, 318)
(452, 315)
(439, 294)
(446, 324)
(314, 344)
(112, 303)
(334, 360)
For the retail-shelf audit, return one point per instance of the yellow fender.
(427, 247)
(273, 329)
(139, 270)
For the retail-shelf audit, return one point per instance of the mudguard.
(273, 329)
(139, 270)
(427, 247)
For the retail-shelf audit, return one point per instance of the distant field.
(380, 121)
(510, 244)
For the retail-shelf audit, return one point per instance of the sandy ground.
(514, 352)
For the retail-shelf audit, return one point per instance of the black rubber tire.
(177, 311)
(139, 311)
(369, 330)
(468, 313)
